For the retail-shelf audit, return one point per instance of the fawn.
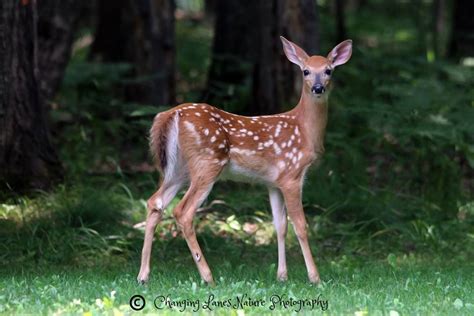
(195, 144)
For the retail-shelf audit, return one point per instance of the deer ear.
(294, 53)
(341, 53)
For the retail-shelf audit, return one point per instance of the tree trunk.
(27, 157)
(440, 32)
(141, 33)
(462, 38)
(210, 8)
(57, 23)
(162, 55)
(249, 72)
(340, 21)
(356, 5)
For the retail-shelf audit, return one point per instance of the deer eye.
(305, 72)
(327, 72)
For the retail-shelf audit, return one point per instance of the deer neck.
(312, 115)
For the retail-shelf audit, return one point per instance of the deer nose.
(318, 88)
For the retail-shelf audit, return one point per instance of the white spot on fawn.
(223, 162)
(268, 143)
(276, 148)
(213, 139)
(277, 130)
(206, 132)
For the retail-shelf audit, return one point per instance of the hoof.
(314, 279)
(282, 277)
(211, 283)
(142, 278)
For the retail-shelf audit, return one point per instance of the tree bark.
(340, 21)
(440, 9)
(141, 33)
(247, 53)
(462, 38)
(57, 24)
(210, 8)
(27, 158)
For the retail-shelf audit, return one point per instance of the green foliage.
(80, 225)
(193, 51)
(95, 126)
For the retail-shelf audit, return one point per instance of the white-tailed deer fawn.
(196, 144)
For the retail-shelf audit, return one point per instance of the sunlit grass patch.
(349, 286)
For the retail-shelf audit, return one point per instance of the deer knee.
(181, 218)
(302, 235)
(178, 214)
(185, 223)
(300, 230)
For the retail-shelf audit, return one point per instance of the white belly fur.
(233, 171)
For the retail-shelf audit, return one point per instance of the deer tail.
(164, 145)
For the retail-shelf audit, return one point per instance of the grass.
(404, 285)
(60, 256)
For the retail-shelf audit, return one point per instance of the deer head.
(317, 70)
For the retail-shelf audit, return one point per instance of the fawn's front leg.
(280, 222)
(292, 192)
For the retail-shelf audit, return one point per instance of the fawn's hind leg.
(156, 204)
(201, 185)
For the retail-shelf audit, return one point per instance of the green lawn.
(360, 286)
(77, 251)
